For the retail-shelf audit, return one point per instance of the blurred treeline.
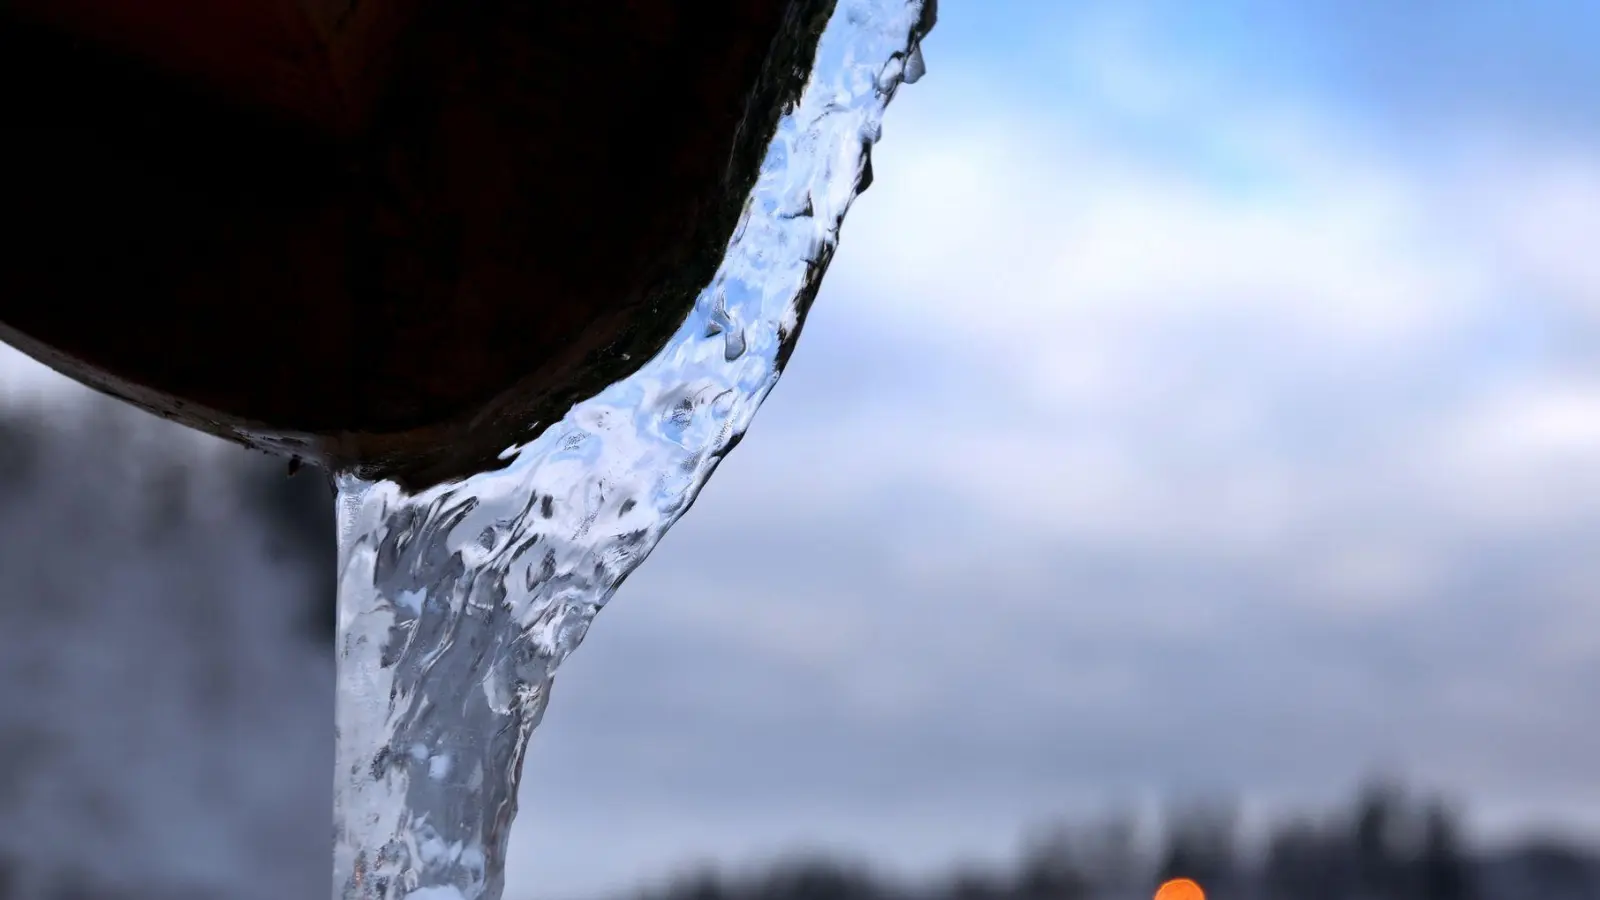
(170, 476)
(1385, 844)
(101, 475)
(166, 622)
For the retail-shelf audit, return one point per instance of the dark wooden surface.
(317, 61)
(520, 215)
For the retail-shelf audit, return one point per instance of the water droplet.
(733, 345)
(915, 66)
(439, 767)
(891, 73)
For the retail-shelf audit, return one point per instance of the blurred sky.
(1206, 397)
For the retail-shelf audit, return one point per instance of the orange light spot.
(1180, 889)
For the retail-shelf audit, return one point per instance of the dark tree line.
(1384, 845)
(93, 486)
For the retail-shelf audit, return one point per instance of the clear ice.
(457, 604)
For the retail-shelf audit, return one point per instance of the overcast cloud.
(1200, 401)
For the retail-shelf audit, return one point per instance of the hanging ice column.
(456, 605)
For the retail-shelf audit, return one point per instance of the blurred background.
(1191, 466)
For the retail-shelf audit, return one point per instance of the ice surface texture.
(457, 604)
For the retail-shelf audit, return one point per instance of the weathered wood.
(401, 274)
(317, 61)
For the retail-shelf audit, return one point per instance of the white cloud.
(1540, 424)
(1007, 232)
(1524, 456)
(1551, 221)
(1149, 326)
